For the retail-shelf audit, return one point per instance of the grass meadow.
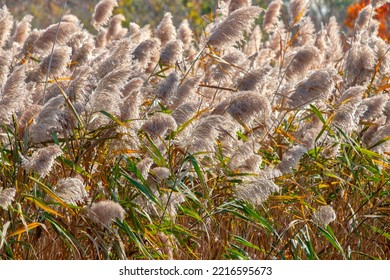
(258, 137)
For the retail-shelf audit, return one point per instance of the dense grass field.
(260, 137)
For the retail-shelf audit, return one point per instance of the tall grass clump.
(247, 141)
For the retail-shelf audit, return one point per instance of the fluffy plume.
(13, 96)
(232, 28)
(144, 166)
(226, 68)
(172, 52)
(6, 24)
(207, 131)
(61, 31)
(159, 124)
(360, 63)
(245, 160)
(253, 79)
(54, 117)
(161, 173)
(271, 15)
(106, 211)
(166, 31)
(55, 63)
(83, 54)
(324, 215)
(42, 160)
(291, 158)
(184, 112)
(255, 191)
(22, 30)
(115, 30)
(297, 10)
(247, 105)
(345, 118)
(119, 59)
(101, 39)
(364, 17)
(185, 91)
(380, 140)
(107, 95)
(238, 4)
(5, 63)
(318, 85)
(71, 18)
(304, 60)
(353, 94)
(7, 196)
(373, 107)
(147, 53)
(167, 88)
(103, 12)
(131, 106)
(71, 190)
(184, 33)
(335, 49)
(253, 45)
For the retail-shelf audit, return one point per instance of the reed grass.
(248, 141)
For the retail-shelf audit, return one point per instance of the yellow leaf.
(27, 228)
(44, 207)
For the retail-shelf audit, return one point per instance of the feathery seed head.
(297, 9)
(57, 61)
(161, 173)
(7, 196)
(291, 158)
(62, 31)
(324, 215)
(237, 4)
(168, 87)
(6, 24)
(233, 27)
(254, 79)
(22, 30)
(184, 33)
(42, 160)
(106, 211)
(71, 190)
(318, 85)
(159, 124)
(271, 15)
(247, 105)
(364, 17)
(360, 64)
(255, 191)
(147, 53)
(303, 60)
(103, 12)
(144, 166)
(172, 52)
(166, 31)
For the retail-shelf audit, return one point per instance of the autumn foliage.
(382, 15)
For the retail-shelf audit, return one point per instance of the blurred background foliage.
(142, 12)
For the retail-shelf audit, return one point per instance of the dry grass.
(228, 147)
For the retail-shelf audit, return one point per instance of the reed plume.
(7, 196)
(232, 28)
(103, 12)
(166, 31)
(42, 160)
(105, 211)
(271, 15)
